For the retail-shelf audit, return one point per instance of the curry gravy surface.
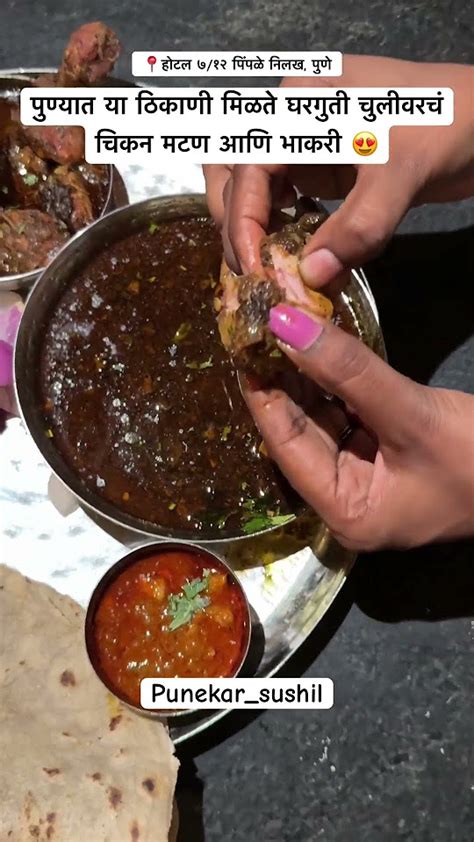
(139, 394)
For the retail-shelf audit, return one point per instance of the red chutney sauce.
(175, 614)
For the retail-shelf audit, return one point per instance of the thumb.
(393, 406)
(362, 225)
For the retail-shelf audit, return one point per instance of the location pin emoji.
(151, 61)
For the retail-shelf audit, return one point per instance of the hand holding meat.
(426, 165)
(246, 300)
(390, 463)
(396, 469)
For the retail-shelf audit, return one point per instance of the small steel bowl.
(129, 560)
(11, 82)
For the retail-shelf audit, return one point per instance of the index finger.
(216, 177)
(248, 212)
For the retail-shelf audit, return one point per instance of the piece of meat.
(7, 188)
(28, 240)
(65, 196)
(245, 302)
(62, 144)
(243, 313)
(61, 192)
(95, 174)
(89, 56)
(97, 178)
(28, 172)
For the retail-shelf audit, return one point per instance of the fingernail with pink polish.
(294, 327)
(320, 267)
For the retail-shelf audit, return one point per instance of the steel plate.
(291, 576)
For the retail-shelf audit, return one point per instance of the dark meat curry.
(244, 302)
(141, 397)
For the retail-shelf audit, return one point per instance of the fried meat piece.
(28, 240)
(245, 302)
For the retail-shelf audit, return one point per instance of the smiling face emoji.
(364, 143)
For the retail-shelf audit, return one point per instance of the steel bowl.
(60, 273)
(11, 82)
(128, 561)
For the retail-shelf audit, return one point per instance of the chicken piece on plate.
(28, 240)
(89, 56)
(62, 144)
(7, 187)
(28, 172)
(95, 174)
(65, 196)
(245, 302)
(62, 192)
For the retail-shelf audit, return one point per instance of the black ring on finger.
(347, 432)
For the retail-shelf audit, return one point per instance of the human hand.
(404, 476)
(427, 164)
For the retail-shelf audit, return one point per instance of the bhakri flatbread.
(76, 764)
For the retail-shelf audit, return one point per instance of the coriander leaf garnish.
(183, 610)
(195, 586)
(258, 522)
(257, 515)
(30, 179)
(182, 607)
(152, 227)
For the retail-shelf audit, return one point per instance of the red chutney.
(132, 623)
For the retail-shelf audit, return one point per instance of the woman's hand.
(404, 476)
(427, 164)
